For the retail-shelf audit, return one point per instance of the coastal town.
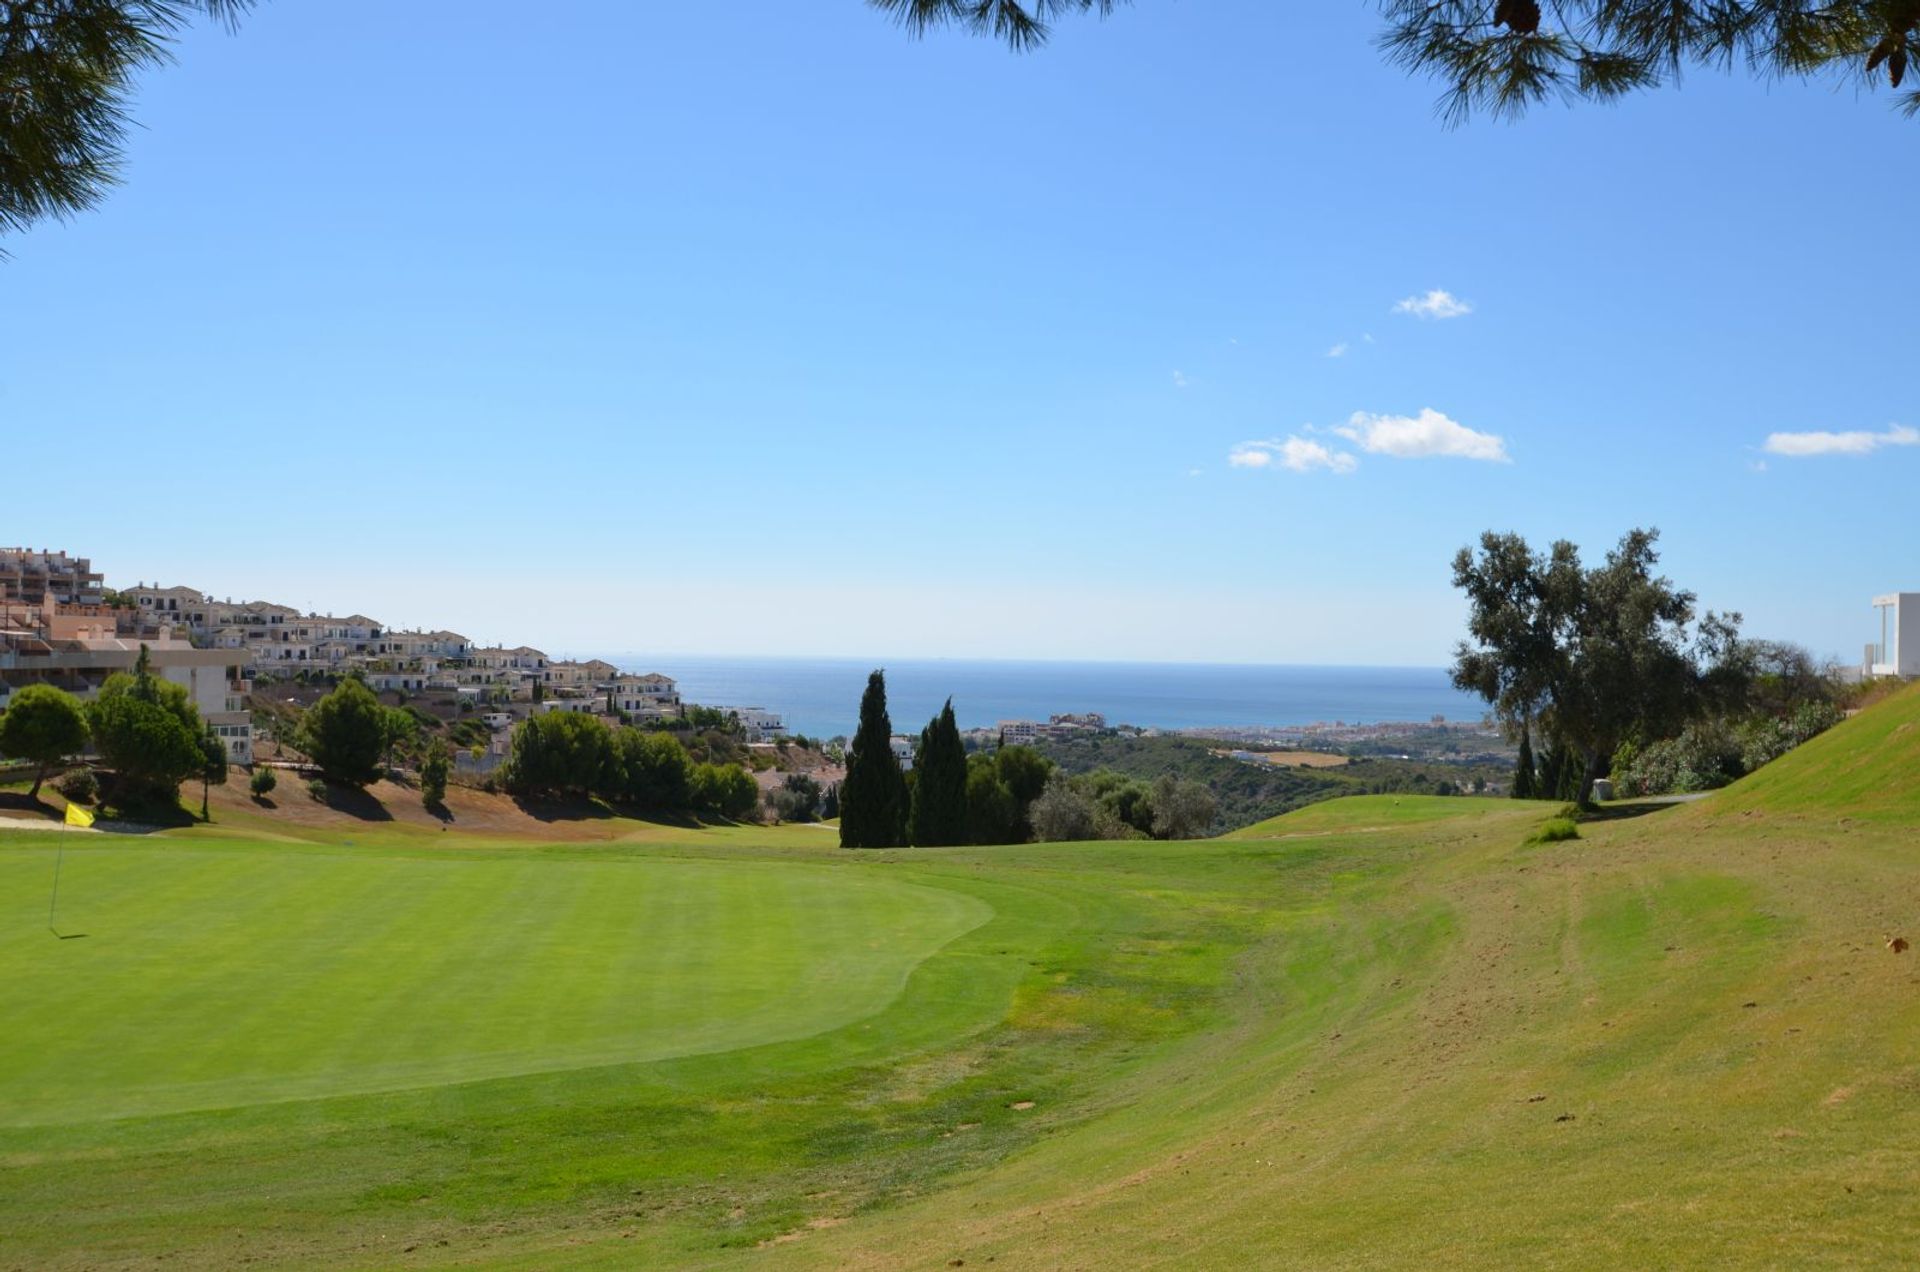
(60, 624)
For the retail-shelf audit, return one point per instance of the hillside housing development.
(60, 624)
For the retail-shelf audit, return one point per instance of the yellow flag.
(78, 816)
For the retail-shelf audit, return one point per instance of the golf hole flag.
(78, 816)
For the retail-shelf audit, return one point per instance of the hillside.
(1248, 793)
(1865, 769)
(1384, 1031)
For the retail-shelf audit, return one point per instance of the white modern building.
(758, 723)
(1890, 655)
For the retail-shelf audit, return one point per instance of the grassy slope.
(1376, 1031)
(1863, 768)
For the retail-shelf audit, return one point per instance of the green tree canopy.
(213, 769)
(148, 732)
(67, 71)
(1502, 56)
(653, 771)
(726, 790)
(939, 816)
(1182, 809)
(1588, 656)
(559, 753)
(346, 733)
(992, 815)
(434, 769)
(873, 798)
(43, 726)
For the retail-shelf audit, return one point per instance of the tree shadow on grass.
(556, 810)
(19, 800)
(356, 803)
(1626, 812)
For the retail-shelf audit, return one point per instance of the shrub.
(79, 786)
(1062, 813)
(433, 774)
(317, 790)
(262, 782)
(725, 789)
(1555, 830)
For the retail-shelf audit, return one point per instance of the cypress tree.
(1523, 786)
(940, 786)
(1551, 762)
(873, 798)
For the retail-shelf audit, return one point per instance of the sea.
(820, 697)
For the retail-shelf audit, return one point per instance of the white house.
(902, 751)
(1892, 656)
(758, 723)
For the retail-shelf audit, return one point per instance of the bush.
(725, 789)
(262, 782)
(79, 786)
(317, 790)
(433, 774)
(1555, 830)
(1062, 813)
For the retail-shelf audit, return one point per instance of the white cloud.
(1296, 454)
(1195, 472)
(1435, 304)
(1338, 351)
(1428, 435)
(1857, 442)
(1179, 380)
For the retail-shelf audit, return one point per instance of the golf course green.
(1377, 1032)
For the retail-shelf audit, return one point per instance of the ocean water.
(821, 696)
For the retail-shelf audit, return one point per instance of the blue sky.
(760, 328)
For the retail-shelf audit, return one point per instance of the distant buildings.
(57, 627)
(76, 647)
(28, 577)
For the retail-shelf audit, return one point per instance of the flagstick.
(59, 855)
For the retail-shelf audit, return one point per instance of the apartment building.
(29, 576)
(76, 648)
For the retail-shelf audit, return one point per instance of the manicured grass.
(1378, 1032)
(218, 976)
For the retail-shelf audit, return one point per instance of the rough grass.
(1862, 768)
(1374, 1033)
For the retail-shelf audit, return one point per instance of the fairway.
(1381, 1031)
(224, 976)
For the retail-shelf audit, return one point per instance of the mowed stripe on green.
(214, 978)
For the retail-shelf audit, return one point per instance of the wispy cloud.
(1179, 380)
(1428, 435)
(1338, 351)
(1856, 442)
(1435, 304)
(1297, 454)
